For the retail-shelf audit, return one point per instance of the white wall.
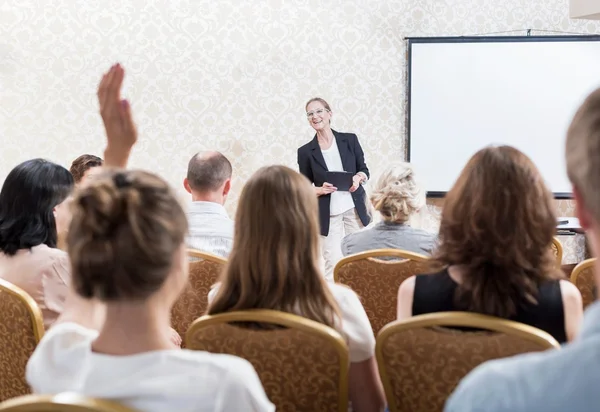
(230, 75)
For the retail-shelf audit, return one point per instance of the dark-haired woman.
(33, 211)
(494, 254)
(126, 243)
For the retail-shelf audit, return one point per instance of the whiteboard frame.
(478, 39)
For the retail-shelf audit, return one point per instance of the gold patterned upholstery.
(302, 364)
(377, 281)
(583, 277)
(557, 249)
(193, 302)
(63, 402)
(21, 328)
(421, 360)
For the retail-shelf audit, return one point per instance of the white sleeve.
(355, 326)
(241, 390)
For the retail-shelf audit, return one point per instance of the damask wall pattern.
(228, 75)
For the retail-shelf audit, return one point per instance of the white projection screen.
(466, 93)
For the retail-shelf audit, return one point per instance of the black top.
(435, 293)
(312, 165)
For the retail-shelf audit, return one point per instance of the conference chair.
(422, 359)
(193, 302)
(376, 281)
(63, 402)
(557, 249)
(302, 364)
(21, 328)
(583, 278)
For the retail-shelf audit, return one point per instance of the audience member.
(494, 255)
(127, 250)
(34, 209)
(274, 264)
(564, 380)
(397, 197)
(209, 181)
(84, 166)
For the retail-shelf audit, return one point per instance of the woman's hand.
(356, 181)
(326, 189)
(121, 133)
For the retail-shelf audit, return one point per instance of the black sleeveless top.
(435, 293)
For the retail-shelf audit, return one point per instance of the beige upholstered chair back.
(583, 277)
(376, 281)
(193, 302)
(21, 328)
(303, 365)
(422, 359)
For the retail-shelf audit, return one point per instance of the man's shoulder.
(538, 381)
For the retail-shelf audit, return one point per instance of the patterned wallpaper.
(229, 75)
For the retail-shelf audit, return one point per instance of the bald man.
(209, 181)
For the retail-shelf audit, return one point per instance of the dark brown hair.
(82, 164)
(275, 255)
(498, 223)
(127, 227)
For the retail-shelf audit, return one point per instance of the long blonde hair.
(274, 260)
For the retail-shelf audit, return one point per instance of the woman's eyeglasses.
(318, 112)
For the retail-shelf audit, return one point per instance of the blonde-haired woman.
(397, 197)
(274, 264)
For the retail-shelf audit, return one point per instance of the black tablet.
(341, 180)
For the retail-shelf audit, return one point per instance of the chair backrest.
(63, 402)
(422, 359)
(557, 249)
(303, 365)
(583, 278)
(21, 328)
(193, 302)
(376, 281)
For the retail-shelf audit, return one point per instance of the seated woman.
(494, 255)
(127, 248)
(397, 197)
(34, 204)
(274, 264)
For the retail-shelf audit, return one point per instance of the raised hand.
(121, 133)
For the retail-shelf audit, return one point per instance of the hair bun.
(105, 205)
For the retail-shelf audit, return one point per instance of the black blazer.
(313, 166)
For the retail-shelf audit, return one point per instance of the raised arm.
(121, 133)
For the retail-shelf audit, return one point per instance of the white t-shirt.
(158, 381)
(340, 201)
(355, 327)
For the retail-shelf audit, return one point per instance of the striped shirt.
(211, 229)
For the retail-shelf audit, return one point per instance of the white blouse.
(158, 381)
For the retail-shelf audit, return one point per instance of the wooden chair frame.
(63, 402)
(205, 256)
(454, 319)
(559, 250)
(371, 254)
(287, 320)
